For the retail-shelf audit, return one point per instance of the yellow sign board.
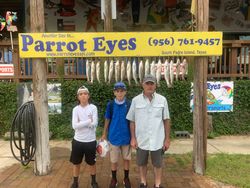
(120, 44)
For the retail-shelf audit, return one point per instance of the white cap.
(82, 89)
(102, 148)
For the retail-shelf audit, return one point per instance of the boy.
(117, 128)
(84, 122)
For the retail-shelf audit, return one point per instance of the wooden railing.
(234, 63)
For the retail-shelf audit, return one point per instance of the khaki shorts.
(115, 152)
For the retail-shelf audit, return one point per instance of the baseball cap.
(149, 78)
(82, 89)
(119, 85)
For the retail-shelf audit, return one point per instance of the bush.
(236, 122)
(8, 105)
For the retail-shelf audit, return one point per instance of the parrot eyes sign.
(120, 44)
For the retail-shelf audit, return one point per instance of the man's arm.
(167, 128)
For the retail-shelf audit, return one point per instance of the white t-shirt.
(85, 130)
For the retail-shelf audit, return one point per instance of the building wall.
(147, 15)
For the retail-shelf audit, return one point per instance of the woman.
(84, 122)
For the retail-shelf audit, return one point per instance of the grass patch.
(179, 161)
(225, 168)
(183, 161)
(229, 169)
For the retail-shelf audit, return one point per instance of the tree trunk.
(42, 156)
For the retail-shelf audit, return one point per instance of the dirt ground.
(174, 175)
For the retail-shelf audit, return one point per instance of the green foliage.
(236, 122)
(8, 105)
(230, 169)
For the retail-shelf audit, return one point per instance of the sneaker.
(126, 183)
(142, 185)
(94, 185)
(113, 183)
(74, 185)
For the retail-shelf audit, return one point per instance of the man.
(150, 129)
(117, 128)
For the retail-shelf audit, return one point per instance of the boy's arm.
(133, 141)
(76, 123)
(105, 129)
(106, 121)
(94, 117)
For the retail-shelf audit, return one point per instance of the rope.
(22, 133)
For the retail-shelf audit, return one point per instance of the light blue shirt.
(148, 117)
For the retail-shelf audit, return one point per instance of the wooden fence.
(234, 63)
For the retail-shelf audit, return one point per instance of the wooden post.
(108, 23)
(200, 95)
(60, 68)
(16, 64)
(233, 63)
(42, 155)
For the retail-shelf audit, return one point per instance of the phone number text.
(183, 41)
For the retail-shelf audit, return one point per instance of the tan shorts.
(115, 152)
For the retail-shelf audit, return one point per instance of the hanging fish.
(123, 69)
(129, 72)
(106, 70)
(167, 72)
(88, 70)
(152, 68)
(158, 72)
(92, 71)
(177, 68)
(111, 70)
(98, 71)
(184, 68)
(134, 72)
(141, 71)
(117, 70)
(171, 69)
(147, 67)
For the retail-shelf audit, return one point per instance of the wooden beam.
(16, 63)
(200, 95)
(233, 61)
(42, 155)
(108, 22)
